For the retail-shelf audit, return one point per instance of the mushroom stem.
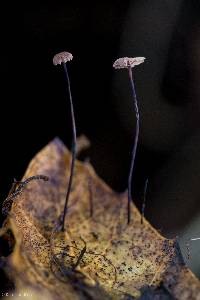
(144, 201)
(73, 149)
(135, 143)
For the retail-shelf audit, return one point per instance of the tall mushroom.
(129, 63)
(61, 59)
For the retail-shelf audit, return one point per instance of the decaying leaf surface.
(98, 256)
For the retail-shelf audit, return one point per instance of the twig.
(16, 191)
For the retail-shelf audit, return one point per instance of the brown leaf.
(98, 256)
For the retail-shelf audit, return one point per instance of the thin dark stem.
(73, 147)
(83, 251)
(144, 200)
(135, 143)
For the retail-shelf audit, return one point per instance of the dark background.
(34, 104)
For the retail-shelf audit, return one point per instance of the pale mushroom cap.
(62, 57)
(125, 62)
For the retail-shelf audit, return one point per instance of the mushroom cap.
(62, 57)
(126, 62)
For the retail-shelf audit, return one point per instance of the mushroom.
(61, 59)
(129, 63)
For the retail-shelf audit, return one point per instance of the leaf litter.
(98, 255)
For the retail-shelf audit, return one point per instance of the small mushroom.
(61, 59)
(128, 63)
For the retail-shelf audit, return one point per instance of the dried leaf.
(98, 256)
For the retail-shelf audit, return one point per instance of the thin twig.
(188, 246)
(80, 256)
(194, 239)
(17, 189)
(188, 249)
